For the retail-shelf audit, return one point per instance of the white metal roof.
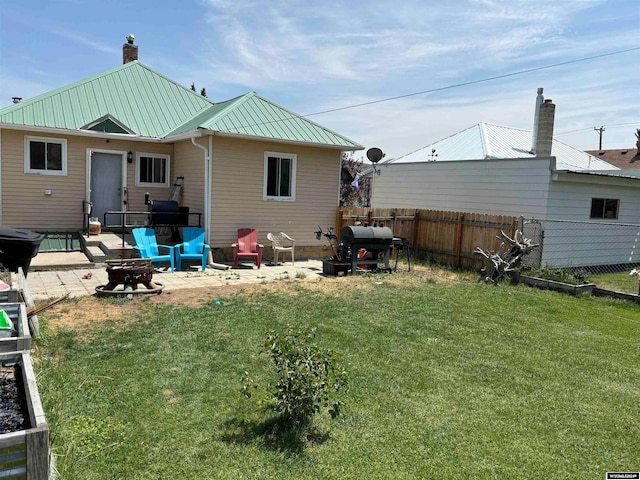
(489, 141)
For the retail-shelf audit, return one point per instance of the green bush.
(565, 275)
(308, 379)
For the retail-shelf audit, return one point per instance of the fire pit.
(129, 273)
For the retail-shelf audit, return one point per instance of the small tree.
(354, 186)
(308, 380)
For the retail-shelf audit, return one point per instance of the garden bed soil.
(14, 415)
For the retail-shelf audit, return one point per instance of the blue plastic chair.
(147, 246)
(192, 247)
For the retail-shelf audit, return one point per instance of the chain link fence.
(606, 254)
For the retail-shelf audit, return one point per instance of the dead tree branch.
(507, 259)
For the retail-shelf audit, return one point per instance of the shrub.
(566, 275)
(308, 380)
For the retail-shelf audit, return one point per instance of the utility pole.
(600, 130)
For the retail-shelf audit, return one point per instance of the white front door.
(107, 186)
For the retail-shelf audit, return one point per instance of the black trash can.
(17, 247)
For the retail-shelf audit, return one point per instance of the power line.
(448, 87)
(615, 125)
(474, 82)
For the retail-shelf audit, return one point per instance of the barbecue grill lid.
(371, 235)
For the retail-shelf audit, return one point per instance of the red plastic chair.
(247, 247)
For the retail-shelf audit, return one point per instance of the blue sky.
(316, 56)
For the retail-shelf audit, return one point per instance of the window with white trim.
(152, 170)
(279, 176)
(604, 208)
(45, 156)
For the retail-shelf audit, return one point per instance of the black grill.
(370, 246)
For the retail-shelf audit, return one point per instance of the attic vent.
(108, 124)
(623, 152)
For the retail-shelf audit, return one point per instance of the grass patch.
(447, 380)
(618, 282)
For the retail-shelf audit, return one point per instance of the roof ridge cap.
(484, 141)
(69, 86)
(215, 117)
(303, 117)
(233, 103)
(193, 92)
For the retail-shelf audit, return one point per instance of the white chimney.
(536, 115)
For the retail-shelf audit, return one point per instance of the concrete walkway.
(83, 280)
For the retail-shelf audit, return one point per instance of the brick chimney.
(129, 50)
(544, 138)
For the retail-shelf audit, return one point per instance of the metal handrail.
(148, 220)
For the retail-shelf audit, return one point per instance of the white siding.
(572, 239)
(570, 200)
(499, 187)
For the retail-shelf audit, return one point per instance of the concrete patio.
(54, 274)
(46, 284)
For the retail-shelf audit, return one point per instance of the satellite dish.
(375, 155)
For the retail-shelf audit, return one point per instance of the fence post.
(339, 219)
(416, 224)
(458, 250)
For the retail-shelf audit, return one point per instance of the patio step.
(95, 254)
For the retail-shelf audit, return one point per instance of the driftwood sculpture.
(507, 259)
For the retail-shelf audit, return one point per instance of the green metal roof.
(254, 116)
(151, 105)
(145, 101)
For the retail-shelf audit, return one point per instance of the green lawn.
(618, 282)
(454, 379)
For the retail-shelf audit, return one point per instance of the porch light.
(130, 157)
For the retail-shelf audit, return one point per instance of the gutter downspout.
(207, 185)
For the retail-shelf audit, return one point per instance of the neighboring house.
(116, 136)
(625, 158)
(500, 170)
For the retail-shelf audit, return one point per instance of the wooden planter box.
(558, 286)
(10, 296)
(24, 454)
(18, 314)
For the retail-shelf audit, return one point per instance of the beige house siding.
(136, 194)
(237, 193)
(237, 189)
(24, 203)
(190, 165)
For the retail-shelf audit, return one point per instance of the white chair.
(281, 242)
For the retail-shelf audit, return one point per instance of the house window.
(45, 156)
(604, 208)
(152, 170)
(279, 176)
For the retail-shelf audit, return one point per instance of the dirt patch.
(80, 313)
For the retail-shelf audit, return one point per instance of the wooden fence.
(449, 237)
